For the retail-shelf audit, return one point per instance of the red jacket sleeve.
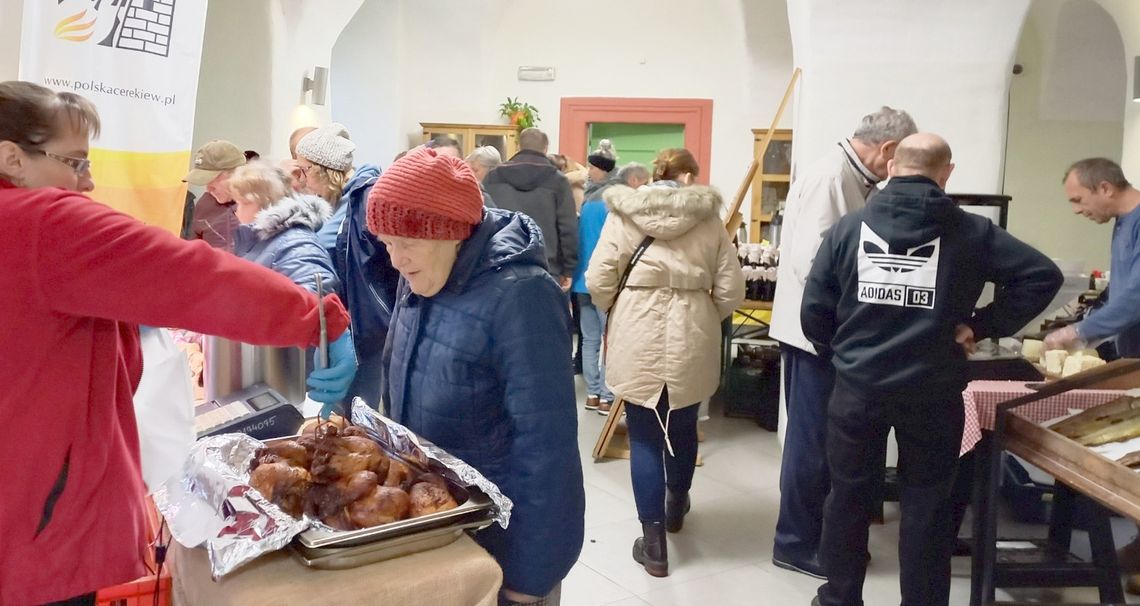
(95, 261)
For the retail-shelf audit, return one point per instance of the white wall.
(1127, 15)
(457, 61)
(365, 80)
(946, 63)
(1063, 107)
(254, 57)
(234, 79)
(13, 14)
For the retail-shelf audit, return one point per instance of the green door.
(637, 142)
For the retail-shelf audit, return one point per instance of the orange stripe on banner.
(124, 169)
(161, 207)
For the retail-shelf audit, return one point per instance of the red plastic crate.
(137, 593)
(142, 591)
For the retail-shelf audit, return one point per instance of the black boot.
(650, 550)
(676, 506)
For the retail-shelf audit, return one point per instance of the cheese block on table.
(1031, 349)
(1079, 363)
(1054, 361)
(1072, 365)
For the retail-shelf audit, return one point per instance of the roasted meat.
(399, 475)
(325, 500)
(336, 456)
(290, 452)
(341, 476)
(382, 505)
(430, 497)
(283, 484)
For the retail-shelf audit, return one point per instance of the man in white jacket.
(835, 185)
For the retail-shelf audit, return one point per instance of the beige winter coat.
(665, 328)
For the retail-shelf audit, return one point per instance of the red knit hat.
(427, 196)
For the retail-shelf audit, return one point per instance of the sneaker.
(604, 407)
(591, 402)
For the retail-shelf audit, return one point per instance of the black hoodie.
(530, 184)
(892, 281)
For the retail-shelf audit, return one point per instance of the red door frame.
(695, 114)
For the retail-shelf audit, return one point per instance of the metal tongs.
(322, 360)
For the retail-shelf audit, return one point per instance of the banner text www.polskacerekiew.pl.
(95, 86)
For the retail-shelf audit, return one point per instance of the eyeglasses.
(81, 166)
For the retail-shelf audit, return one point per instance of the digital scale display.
(258, 411)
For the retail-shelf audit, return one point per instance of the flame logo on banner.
(72, 30)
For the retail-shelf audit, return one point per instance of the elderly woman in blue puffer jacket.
(478, 359)
(279, 227)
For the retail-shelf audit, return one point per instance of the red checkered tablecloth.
(982, 397)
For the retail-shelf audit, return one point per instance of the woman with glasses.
(79, 279)
(324, 168)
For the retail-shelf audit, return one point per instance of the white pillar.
(946, 63)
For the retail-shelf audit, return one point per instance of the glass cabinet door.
(772, 194)
(778, 158)
(498, 142)
(457, 136)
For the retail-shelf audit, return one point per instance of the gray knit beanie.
(328, 146)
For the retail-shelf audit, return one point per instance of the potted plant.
(522, 115)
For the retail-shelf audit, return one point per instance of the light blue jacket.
(283, 238)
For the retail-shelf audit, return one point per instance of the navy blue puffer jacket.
(368, 284)
(483, 369)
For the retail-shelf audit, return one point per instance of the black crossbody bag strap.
(640, 250)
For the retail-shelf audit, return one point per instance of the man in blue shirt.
(1097, 189)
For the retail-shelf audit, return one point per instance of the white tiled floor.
(723, 555)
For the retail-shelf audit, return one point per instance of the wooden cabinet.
(770, 185)
(503, 137)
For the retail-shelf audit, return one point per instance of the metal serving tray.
(475, 510)
(337, 558)
(476, 506)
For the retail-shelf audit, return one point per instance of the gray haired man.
(634, 174)
(835, 185)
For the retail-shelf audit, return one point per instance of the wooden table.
(459, 574)
(981, 399)
(761, 305)
(1077, 469)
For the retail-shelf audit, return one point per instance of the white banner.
(138, 61)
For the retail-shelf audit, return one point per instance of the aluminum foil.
(422, 453)
(211, 501)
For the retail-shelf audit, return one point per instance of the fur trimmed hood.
(664, 212)
(301, 210)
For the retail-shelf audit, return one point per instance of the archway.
(1066, 104)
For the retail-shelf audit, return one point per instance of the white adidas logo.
(903, 280)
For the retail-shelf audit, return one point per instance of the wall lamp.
(318, 84)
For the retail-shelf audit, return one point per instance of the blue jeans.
(804, 478)
(593, 325)
(652, 468)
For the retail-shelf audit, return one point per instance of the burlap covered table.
(459, 574)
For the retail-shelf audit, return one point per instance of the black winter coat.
(893, 280)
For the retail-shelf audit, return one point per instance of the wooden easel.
(735, 218)
(607, 448)
(613, 428)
